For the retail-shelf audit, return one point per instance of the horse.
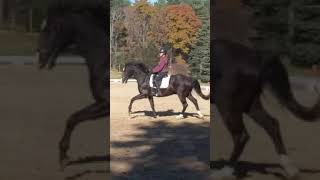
(240, 75)
(84, 25)
(179, 84)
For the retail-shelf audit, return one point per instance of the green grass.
(17, 43)
(114, 74)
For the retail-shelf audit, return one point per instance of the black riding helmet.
(163, 50)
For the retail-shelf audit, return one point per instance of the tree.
(160, 3)
(171, 2)
(271, 24)
(118, 32)
(158, 27)
(304, 28)
(144, 13)
(1, 12)
(182, 27)
(199, 59)
(137, 21)
(289, 27)
(201, 7)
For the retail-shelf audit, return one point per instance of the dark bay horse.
(84, 25)
(239, 76)
(179, 84)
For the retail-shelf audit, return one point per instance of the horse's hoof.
(225, 173)
(180, 116)
(64, 163)
(200, 115)
(292, 172)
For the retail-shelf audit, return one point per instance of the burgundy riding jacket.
(161, 67)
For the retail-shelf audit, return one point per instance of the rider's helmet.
(163, 50)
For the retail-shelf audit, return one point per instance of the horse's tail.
(275, 75)
(197, 88)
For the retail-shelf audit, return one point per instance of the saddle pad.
(164, 81)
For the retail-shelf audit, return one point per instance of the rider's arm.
(160, 66)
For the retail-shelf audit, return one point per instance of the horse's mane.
(140, 65)
(98, 8)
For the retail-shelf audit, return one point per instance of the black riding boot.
(158, 89)
(154, 90)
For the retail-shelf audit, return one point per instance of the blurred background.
(290, 28)
(35, 104)
(20, 21)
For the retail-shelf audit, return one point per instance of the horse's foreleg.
(234, 123)
(152, 106)
(91, 112)
(271, 126)
(137, 97)
(184, 105)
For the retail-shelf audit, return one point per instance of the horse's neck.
(141, 77)
(92, 43)
(97, 63)
(90, 36)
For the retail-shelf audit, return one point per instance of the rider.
(160, 70)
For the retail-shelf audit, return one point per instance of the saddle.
(164, 81)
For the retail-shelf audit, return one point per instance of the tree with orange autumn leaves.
(182, 26)
(176, 25)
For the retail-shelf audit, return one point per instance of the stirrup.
(157, 92)
(154, 91)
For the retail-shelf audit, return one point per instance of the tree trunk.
(12, 15)
(30, 13)
(1, 12)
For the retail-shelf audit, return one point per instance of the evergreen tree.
(160, 3)
(271, 24)
(199, 59)
(305, 35)
(290, 27)
(201, 7)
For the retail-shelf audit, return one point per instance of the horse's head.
(128, 72)
(133, 69)
(55, 35)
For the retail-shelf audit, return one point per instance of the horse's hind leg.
(91, 112)
(184, 105)
(271, 126)
(195, 102)
(152, 106)
(137, 97)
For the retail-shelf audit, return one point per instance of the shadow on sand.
(174, 152)
(87, 160)
(244, 168)
(167, 113)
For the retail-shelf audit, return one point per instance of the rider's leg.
(154, 84)
(158, 82)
